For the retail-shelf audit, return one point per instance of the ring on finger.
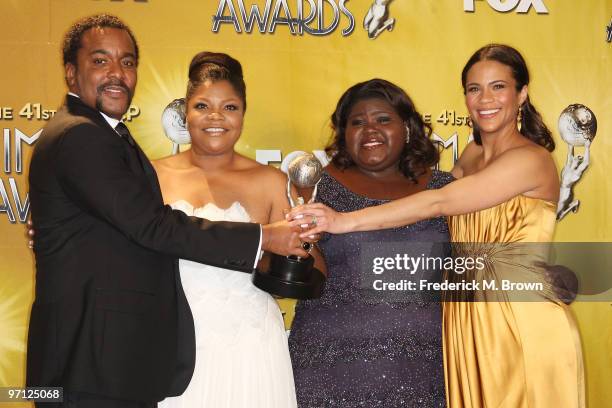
(314, 221)
(307, 246)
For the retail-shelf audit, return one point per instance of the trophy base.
(297, 279)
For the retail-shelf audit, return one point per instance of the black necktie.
(125, 133)
(133, 149)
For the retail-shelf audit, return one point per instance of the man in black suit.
(110, 322)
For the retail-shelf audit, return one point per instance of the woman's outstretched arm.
(527, 170)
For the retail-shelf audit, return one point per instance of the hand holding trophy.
(292, 276)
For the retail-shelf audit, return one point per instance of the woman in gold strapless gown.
(502, 353)
(498, 352)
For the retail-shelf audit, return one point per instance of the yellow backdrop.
(293, 84)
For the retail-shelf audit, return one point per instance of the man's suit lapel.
(77, 107)
(149, 171)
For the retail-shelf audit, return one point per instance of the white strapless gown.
(242, 357)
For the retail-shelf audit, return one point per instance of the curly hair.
(74, 35)
(216, 66)
(418, 155)
(532, 125)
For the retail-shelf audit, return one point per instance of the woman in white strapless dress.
(242, 357)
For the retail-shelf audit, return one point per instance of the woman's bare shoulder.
(530, 152)
(167, 163)
(471, 150)
(258, 170)
(470, 155)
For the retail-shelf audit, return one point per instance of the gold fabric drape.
(509, 348)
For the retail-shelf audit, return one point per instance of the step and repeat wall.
(298, 57)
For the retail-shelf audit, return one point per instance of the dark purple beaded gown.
(350, 350)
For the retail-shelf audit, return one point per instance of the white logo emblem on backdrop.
(503, 6)
(377, 19)
(174, 124)
(577, 126)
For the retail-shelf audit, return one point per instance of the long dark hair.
(419, 153)
(532, 125)
(216, 66)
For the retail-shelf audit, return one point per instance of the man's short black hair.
(72, 40)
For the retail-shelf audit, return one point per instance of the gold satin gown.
(506, 353)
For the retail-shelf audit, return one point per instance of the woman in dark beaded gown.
(354, 348)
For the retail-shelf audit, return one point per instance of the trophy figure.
(173, 122)
(292, 276)
(577, 126)
(377, 19)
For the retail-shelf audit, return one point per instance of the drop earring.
(407, 133)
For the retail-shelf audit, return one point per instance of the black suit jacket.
(110, 317)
